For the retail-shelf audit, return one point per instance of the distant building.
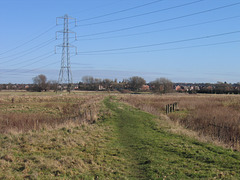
(178, 88)
(145, 87)
(194, 88)
(101, 88)
(210, 88)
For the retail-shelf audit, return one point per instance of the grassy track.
(155, 153)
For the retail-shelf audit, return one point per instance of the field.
(89, 135)
(21, 112)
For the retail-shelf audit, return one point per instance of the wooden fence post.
(171, 107)
(167, 108)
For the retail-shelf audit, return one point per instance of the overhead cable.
(27, 52)
(163, 43)
(12, 49)
(165, 49)
(16, 69)
(161, 30)
(143, 14)
(121, 11)
(161, 21)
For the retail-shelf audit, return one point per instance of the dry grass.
(26, 112)
(65, 152)
(215, 116)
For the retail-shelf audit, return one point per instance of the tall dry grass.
(217, 116)
(25, 113)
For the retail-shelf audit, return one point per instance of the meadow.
(22, 112)
(97, 135)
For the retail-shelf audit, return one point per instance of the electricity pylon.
(65, 74)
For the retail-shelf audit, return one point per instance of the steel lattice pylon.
(65, 74)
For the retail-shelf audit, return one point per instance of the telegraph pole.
(65, 74)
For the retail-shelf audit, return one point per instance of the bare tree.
(90, 83)
(107, 83)
(40, 83)
(88, 79)
(52, 85)
(135, 83)
(162, 85)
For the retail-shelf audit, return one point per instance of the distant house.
(181, 88)
(101, 88)
(145, 87)
(210, 88)
(194, 88)
(178, 88)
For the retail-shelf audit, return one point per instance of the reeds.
(217, 116)
(25, 113)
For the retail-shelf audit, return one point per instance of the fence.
(171, 107)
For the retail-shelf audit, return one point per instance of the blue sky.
(184, 41)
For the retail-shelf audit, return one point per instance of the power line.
(52, 27)
(47, 65)
(143, 14)
(165, 49)
(96, 7)
(161, 30)
(29, 51)
(30, 63)
(161, 21)
(147, 51)
(56, 62)
(164, 43)
(29, 60)
(41, 60)
(117, 12)
(21, 52)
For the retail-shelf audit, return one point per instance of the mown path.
(152, 152)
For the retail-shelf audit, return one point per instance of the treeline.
(89, 83)
(40, 83)
(135, 84)
(207, 88)
(132, 84)
(221, 88)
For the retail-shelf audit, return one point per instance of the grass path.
(154, 153)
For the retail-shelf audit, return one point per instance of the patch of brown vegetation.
(217, 116)
(36, 112)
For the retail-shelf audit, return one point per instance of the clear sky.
(184, 41)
